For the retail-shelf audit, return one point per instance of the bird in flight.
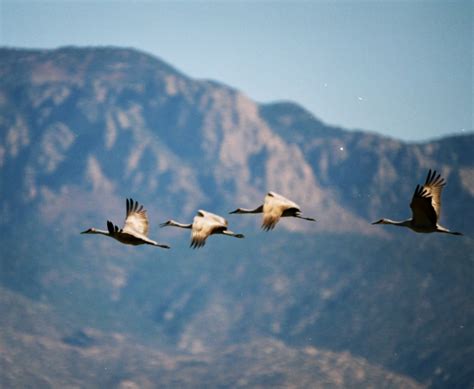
(204, 224)
(274, 207)
(425, 207)
(135, 229)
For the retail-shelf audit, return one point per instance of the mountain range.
(339, 302)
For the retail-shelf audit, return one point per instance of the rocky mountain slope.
(81, 129)
(111, 123)
(40, 356)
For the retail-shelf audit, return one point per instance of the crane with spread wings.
(274, 207)
(425, 207)
(135, 229)
(204, 225)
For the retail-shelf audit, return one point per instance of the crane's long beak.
(378, 222)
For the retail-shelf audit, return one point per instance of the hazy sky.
(399, 68)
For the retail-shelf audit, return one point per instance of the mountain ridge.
(226, 126)
(83, 129)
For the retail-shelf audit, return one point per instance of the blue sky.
(403, 69)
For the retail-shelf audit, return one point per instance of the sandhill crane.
(135, 229)
(204, 224)
(425, 207)
(273, 208)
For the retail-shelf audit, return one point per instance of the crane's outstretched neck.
(243, 210)
(403, 223)
(96, 231)
(176, 224)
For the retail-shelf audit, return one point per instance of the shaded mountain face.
(372, 175)
(82, 129)
(109, 123)
(39, 357)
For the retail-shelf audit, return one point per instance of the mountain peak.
(155, 131)
(290, 119)
(73, 64)
(82, 129)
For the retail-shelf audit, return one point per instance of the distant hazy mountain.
(113, 122)
(39, 357)
(338, 301)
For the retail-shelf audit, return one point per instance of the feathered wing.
(435, 184)
(426, 201)
(113, 229)
(272, 210)
(212, 217)
(270, 219)
(204, 225)
(199, 232)
(136, 220)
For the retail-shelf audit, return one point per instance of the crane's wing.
(426, 202)
(273, 208)
(204, 224)
(212, 217)
(434, 184)
(113, 229)
(199, 232)
(136, 220)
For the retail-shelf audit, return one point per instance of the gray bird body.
(274, 207)
(135, 229)
(204, 225)
(425, 206)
